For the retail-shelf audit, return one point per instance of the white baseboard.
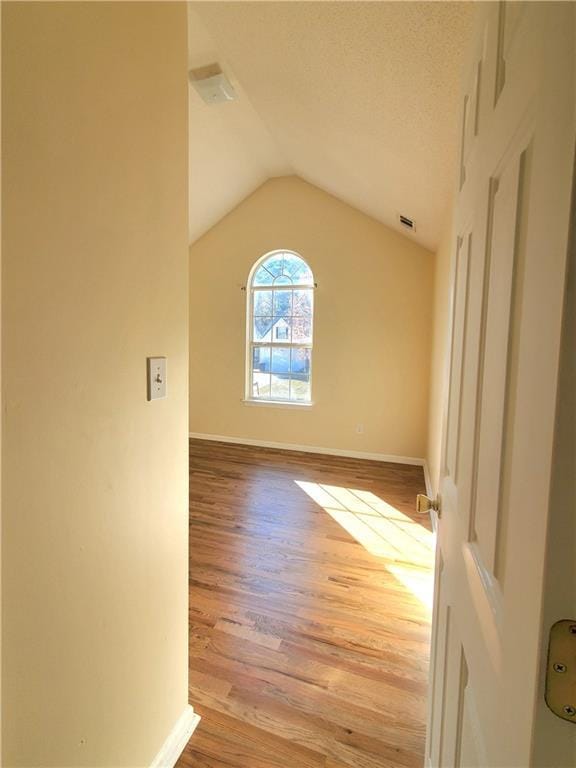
(177, 739)
(313, 449)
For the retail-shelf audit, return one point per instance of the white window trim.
(250, 343)
(279, 403)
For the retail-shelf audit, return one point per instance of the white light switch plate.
(156, 377)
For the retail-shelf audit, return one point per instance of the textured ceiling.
(231, 151)
(359, 98)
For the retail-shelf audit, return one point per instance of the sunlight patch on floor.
(383, 531)
(419, 582)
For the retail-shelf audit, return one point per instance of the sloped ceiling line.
(359, 98)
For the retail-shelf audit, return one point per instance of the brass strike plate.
(561, 671)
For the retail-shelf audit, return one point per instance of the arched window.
(280, 311)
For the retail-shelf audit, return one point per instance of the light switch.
(156, 377)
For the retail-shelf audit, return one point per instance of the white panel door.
(508, 277)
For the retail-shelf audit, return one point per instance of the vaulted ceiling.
(359, 98)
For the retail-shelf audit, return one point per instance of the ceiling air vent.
(407, 223)
(212, 84)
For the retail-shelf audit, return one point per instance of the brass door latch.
(424, 504)
(561, 670)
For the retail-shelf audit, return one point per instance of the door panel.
(461, 281)
(494, 347)
(439, 627)
(511, 233)
(471, 753)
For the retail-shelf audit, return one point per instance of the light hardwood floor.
(310, 578)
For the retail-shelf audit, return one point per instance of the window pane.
(263, 303)
(300, 360)
(261, 359)
(298, 270)
(283, 280)
(275, 264)
(300, 388)
(291, 262)
(301, 329)
(281, 330)
(282, 303)
(280, 360)
(262, 277)
(261, 328)
(303, 302)
(280, 388)
(260, 384)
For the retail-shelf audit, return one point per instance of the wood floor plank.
(225, 740)
(309, 623)
(246, 632)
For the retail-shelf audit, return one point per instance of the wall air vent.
(407, 223)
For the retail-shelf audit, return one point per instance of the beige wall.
(94, 477)
(372, 324)
(439, 352)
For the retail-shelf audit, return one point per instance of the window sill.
(277, 403)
